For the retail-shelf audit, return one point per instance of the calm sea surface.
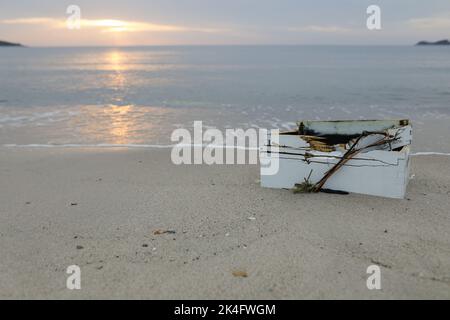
(140, 95)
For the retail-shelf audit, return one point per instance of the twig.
(349, 155)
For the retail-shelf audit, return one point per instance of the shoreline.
(162, 146)
(100, 209)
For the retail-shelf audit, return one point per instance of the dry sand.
(99, 209)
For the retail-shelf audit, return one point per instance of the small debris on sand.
(80, 247)
(239, 273)
(73, 204)
(158, 232)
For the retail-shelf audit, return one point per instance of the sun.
(110, 25)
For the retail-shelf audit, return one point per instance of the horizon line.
(218, 45)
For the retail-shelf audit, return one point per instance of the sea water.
(139, 95)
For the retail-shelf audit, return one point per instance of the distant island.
(9, 44)
(437, 43)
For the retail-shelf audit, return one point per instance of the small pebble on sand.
(239, 273)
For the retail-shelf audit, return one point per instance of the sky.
(222, 22)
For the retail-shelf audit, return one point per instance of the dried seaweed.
(306, 186)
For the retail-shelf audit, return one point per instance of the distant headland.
(9, 44)
(437, 43)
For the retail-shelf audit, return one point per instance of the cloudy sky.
(180, 22)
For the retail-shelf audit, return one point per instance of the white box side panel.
(359, 176)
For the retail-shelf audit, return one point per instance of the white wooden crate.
(380, 172)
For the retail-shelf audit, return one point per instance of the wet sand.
(100, 209)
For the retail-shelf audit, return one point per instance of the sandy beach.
(100, 209)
